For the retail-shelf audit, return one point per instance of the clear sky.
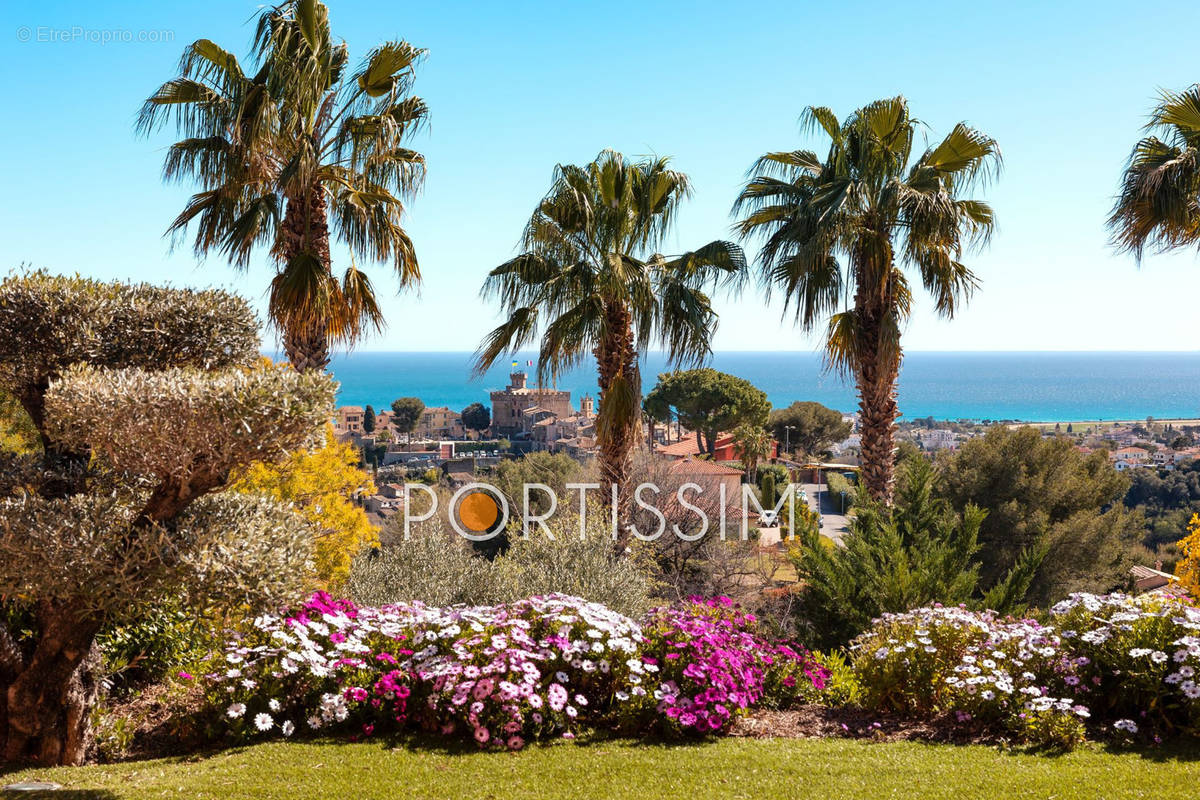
(515, 87)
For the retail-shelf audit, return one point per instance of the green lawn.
(743, 768)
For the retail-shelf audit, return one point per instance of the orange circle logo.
(478, 512)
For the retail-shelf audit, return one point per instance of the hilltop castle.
(544, 416)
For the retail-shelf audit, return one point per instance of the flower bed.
(501, 674)
(1112, 659)
(713, 664)
(1138, 659)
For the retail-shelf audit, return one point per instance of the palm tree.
(297, 149)
(842, 231)
(1159, 201)
(753, 444)
(590, 279)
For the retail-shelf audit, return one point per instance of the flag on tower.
(514, 364)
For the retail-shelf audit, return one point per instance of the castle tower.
(587, 406)
(517, 380)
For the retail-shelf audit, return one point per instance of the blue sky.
(516, 87)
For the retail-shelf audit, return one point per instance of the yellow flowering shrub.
(321, 483)
(17, 434)
(1188, 568)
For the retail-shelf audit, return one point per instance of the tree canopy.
(476, 417)
(813, 427)
(1036, 489)
(591, 282)
(290, 148)
(708, 402)
(848, 235)
(406, 413)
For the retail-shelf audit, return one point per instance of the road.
(833, 522)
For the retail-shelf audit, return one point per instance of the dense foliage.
(1040, 491)
(322, 483)
(436, 567)
(1130, 663)
(808, 427)
(406, 413)
(1188, 568)
(917, 552)
(976, 664)
(476, 417)
(708, 402)
(17, 433)
(1166, 499)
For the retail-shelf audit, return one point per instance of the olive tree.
(145, 400)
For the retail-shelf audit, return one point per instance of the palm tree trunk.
(620, 391)
(307, 346)
(305, 231)
(876, 377)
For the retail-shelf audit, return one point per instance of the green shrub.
(151, 648)
(1001, 672)
(767, 484)
(842, 686)
(839, 487)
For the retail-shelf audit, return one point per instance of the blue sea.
(1033, 387)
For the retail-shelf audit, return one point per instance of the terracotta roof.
(690, 466)
(687, 446)
(1141, 572)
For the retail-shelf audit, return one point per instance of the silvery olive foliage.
(169, 423)
(146, 398)
(226, 549)
(48, 322)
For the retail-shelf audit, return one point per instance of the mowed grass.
(829, 769)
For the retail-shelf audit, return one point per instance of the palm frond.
(519, 330)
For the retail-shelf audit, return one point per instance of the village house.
(348, 422)
(724, 448)
(439, 422)
(1163, 458)
(1127, 457)
(937, 439)
(710, 476)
